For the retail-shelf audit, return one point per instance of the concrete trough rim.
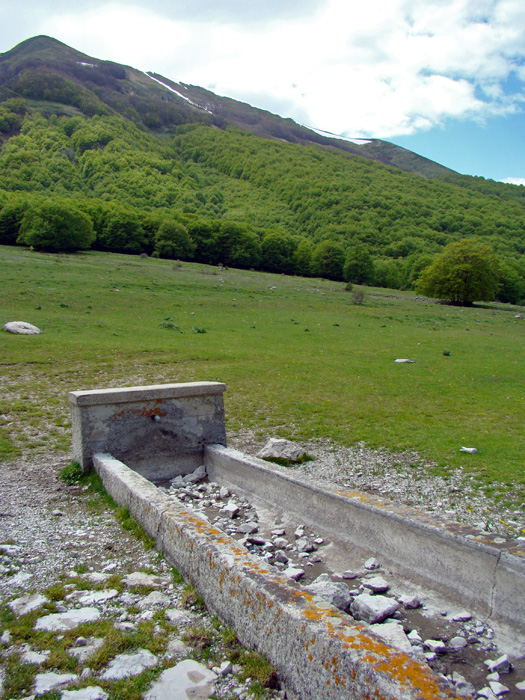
(348, 661)
(151, 392)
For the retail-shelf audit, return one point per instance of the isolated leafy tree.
(464, 272)
(173, 241)
(359, 266)
(56, 227)
(327, 260)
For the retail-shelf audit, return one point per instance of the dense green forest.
(164, 179)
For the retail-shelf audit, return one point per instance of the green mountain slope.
(250, 189)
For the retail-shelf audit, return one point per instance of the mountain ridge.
(161, 102)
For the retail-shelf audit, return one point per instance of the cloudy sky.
(445, 78)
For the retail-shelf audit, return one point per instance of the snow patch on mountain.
(179, 94)
(330, 135)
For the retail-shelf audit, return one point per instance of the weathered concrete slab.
(448, 557)
(322, 653)
(158, 430)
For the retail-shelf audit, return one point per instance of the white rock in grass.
(126, 665)
(51, 680)
(188, 679)
(62, 622)
(94, 597)
(21, 327)
(27, 603)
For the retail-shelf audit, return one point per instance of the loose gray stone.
(277, 448)
(294, 573)
(195, 477)
(303, 544)
(498, 688)
(281, 557)
(435, 645)
(6, 637)
(225, 668)
(373, 608)
(248, 529)
(230, 510)
(95, 597)
(188, 679)
(84, 652)
(336, 594)
(175, 648)
(27, 603)
(92, 692)
(377, 584)
(487, 694)
(49, 681)
(35, 657)
(21, 327)
(414, 637)
(462, 616)
(138, 578)
(405, 361)
(126, 665)
(458, 643)
(394, 635)
(409, 602)
(372, 564)
(501, 664)
(155, 599)
(520, 685)
(348, 575)
(178, 616)
(61, 622)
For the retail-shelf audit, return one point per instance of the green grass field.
(299, 358)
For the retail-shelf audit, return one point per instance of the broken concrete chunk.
(501, 664)
(277, 448)
(336, 594)
(377, 584)
(373, 608)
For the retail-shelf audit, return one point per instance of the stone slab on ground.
(126, 665)
(188, 679)
(62, 622)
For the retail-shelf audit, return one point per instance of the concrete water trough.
(137, 436)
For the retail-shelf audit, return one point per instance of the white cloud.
(514, 180)
(380, 68)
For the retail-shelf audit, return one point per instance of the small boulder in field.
(278, 448)
(21, 327)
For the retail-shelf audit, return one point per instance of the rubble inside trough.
(452, 641)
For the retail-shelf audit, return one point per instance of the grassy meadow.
(300, 359)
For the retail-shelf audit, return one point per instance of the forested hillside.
(208, 191)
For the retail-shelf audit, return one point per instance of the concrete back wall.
(159, 430)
